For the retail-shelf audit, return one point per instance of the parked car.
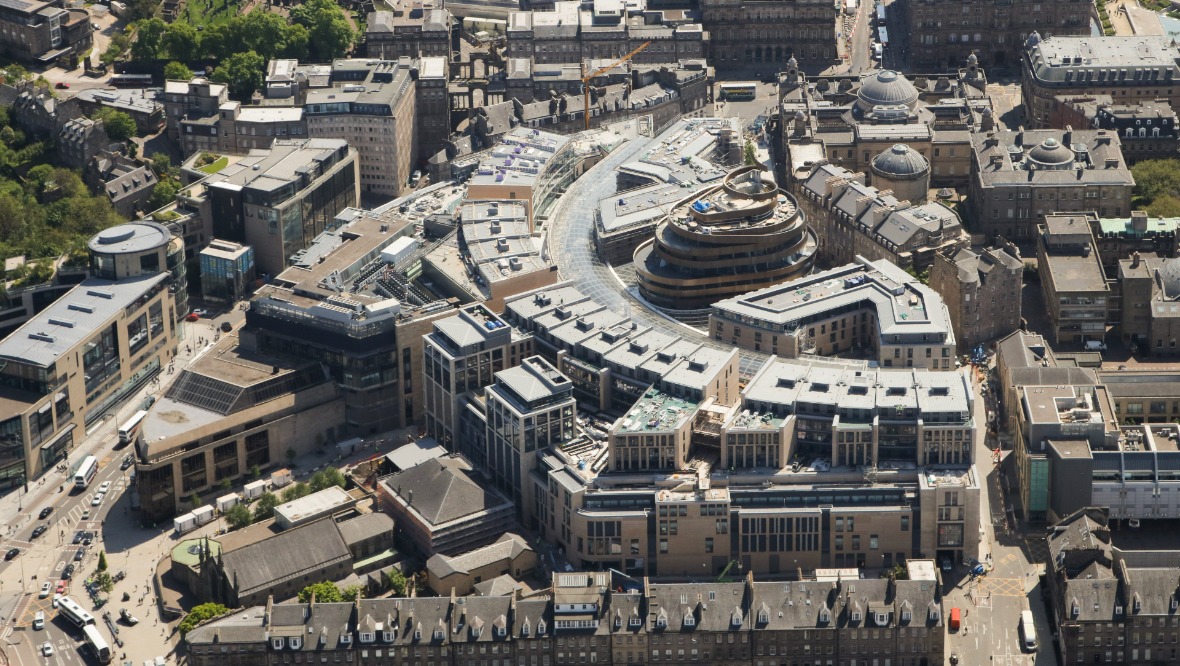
(226, 327)
(62, 85)
(46, 588)
(45, 513)
(47, 649)
(128, 617)
(12, 553)
(192, 316)
(38, 531)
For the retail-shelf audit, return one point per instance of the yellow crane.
(586, 78)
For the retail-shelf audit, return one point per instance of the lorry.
(1028, 631)
(184, 523)
(956, 619)
(281, 477)
(203, 514)
(226, 502)
(254, 489)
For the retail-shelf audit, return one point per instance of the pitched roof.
(288, 553)
(441, 490)
(506, 548)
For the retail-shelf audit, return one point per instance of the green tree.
(195, 500)
(749, 156)
(162, 195)
(175, 71)
(1166, 205)
(200, 615)
(265, 506)
(396, 581)
(104, 581)
(138, 10)
(325, 591)
(255, 471)
(149, 39)
(119, 125)
(329, 33)
(291, 455)
(242, 72)
(296, 491)
(327, 478)
(225, 483)
(238, 516)
(162, 165)
(182, 42)
(102, 560)
(1155, 178)
(352, 593)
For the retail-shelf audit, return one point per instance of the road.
(572, 230)
(861, 58)
(993, 603)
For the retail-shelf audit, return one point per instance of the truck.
(281, 477)
(254, 489)
(203, 514)
(184, 523)
(1028, 631)
(226, 502)
(956, 619)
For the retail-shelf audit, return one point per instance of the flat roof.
(519, 158)
(74, 318)
(314, 504)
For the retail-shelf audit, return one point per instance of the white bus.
(129, 430)
(97, 643)
(1028, 631)
(86, 472)
(70, 610)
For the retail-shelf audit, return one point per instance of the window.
(296, 643)
(872, 542)
(690, 620)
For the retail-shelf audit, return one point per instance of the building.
(743, 34)
(1148, 127)
(409, 30)
(227, 271)
(527, 165)
(461, 356)
(140, 104)
(873, 308)
(127, 183)
(941, 33)
(1130, 68)
(851, 219)
(737, 236)
(510, 556)
(79, 140)
(440, 507)
(1074, 286)
(1121, 238)
(279, 199)
(329, 501)
(190, 101)
(610, 620)
(851, 122)
(41, 33)
(981, 290)
(1150, 314)
(81, 356)
(1019, 178)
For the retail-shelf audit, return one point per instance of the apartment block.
(41, 33)
(944, 33)
(981, 290)
(864, 306)
(1074, 286)
(410, 29)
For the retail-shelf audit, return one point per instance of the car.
(45, 513)
(97, 499)
(86, 538)
(56, 598)
(38, 531)
(86, 514)
(68, 572)
(128, 617)
(415, 178)
(200, 313)
(12, 553)
(1095, 345)
(79, 554)
(61, 586)
(954, 658)
(128, 461)
(226, 327)
(946, 564)
(46, 588)
(78, 538)
(95, 26)
(62, 85)
(47, 649)
(192, 316)
(104, 487)
(39, 620)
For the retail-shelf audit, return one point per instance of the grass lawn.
(215, 166)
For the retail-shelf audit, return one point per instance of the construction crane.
(586, 78)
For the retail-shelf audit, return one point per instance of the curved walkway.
(572, 244)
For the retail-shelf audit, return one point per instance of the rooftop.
(287, 161)
(1139, 60)
(289, 553)
(519, 158)
(131, 237)
(442, 491)
(328, 499)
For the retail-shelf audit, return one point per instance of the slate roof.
(364, 526)
(507, 547)
(288, 553)
(441, 490)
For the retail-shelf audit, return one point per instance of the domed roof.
(1050, 152)
(886, 87)
(901, 161)
(1169, 277)
(972, 60)
(1033, 39)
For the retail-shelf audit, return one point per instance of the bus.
(131, 80)
(86, 472)
(130, 430)
(70, 610)
(1028, 631)
(881, 14)
(97, 643)
(737, 92)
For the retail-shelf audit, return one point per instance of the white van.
(1028, 631)
(39, 620)
(877, 51)
(1095, 345)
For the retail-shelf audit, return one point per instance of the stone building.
(1122, 237)
(981, 290)
(79, 140)
(1074, 286)
(745, 33)
(1148, 128)
(1126, 68)
(1149, 290)
(409, 29)
(1018, 178)
(850, 121)
(942, 32)
(41, 33)
(851, 219)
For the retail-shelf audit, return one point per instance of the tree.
(119, 125)
(239, 516)
(749, 156)
(195, 500)
(1156, 178)
(164, 194)
(1166, 205)
(104, 581)
(291, 455)
(182, 42)
(242, 72)
(396, 581)
(329, 33)
(102, 560)
(226, 483)
(140, 9)
(352, 593)
(325, 591)
(296, 491)
(265, 506)
(255, 471)
(327, 478)
(149, 39)
(175, 71)
(200, 615)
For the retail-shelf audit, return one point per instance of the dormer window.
(736, 618)
(690, 620)
(501, 631)
(1175, 603)
(418, 634)
(825, 615)
(661, 622)
(524, 630)
(296, 643)
(276, 643)
(763, 617)
(1137, 605)
(906, 616)
(1118, 610)
(635, 621)
(882, 619)
(439, 634)
(366, 637)
(346, 639)
(540, 627)
(387, 637)
(856, 616)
